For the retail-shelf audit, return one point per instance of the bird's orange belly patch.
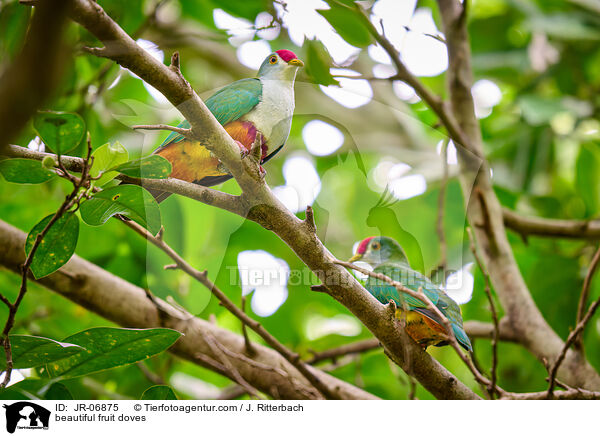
(192, 161)
(423, 330)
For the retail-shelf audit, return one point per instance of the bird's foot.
(256, 149)
(262, 172)
(244, 152)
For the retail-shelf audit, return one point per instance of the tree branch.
(488, 293)
(485, 214)
(585, 292)
(125, 304)
(480, 378)
(344, 350)
(202, 277)
(72, 199)
(264, 207)
(552, 228)
(183, 132)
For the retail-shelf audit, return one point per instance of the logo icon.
(26, 415)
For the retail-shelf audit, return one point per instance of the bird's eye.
(273, 60)
(375, 245)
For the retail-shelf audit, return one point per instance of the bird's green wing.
(451, 310)
(414, 280)
(227, 104)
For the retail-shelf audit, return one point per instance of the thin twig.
(432, 100)
(247, 343)
(202, 277)
(572, 336)
(183, 132)
(488, 293)
(353, 348)
(585, 292)
(234, 374)
(72, 199)
(151, 376)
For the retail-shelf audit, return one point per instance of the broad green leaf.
(318, 63)
(159, 393)
(105, 157)
(108, 347)
(60, 131)
(149, 167)
(28, 389)
(348, 24)
(58, 391)
(32, 351)
(57, 247)
(131, 201)
(24, 171)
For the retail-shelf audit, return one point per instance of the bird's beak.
(296, 63)
(355, 258)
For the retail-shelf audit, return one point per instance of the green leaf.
(347, 24)
(24, 171)
(32, 351)
(58, 391)
(108, 347)
(131, 201)
(159, 393)
(60, 131)
(318, 63)
(149, 167)
(105, 157)
(57, 247)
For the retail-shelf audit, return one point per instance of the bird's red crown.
(286, 55)
(362, 247)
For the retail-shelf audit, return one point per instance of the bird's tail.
(159, 196)
(462, 337)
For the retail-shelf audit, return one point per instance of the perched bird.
(244, 108)
(386, 256)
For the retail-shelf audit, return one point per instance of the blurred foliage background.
(537, 71)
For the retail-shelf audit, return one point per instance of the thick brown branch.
(521, 311)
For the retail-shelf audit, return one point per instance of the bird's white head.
(280, 65)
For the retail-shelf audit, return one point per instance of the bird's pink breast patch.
(286, 55)
(362, 247)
